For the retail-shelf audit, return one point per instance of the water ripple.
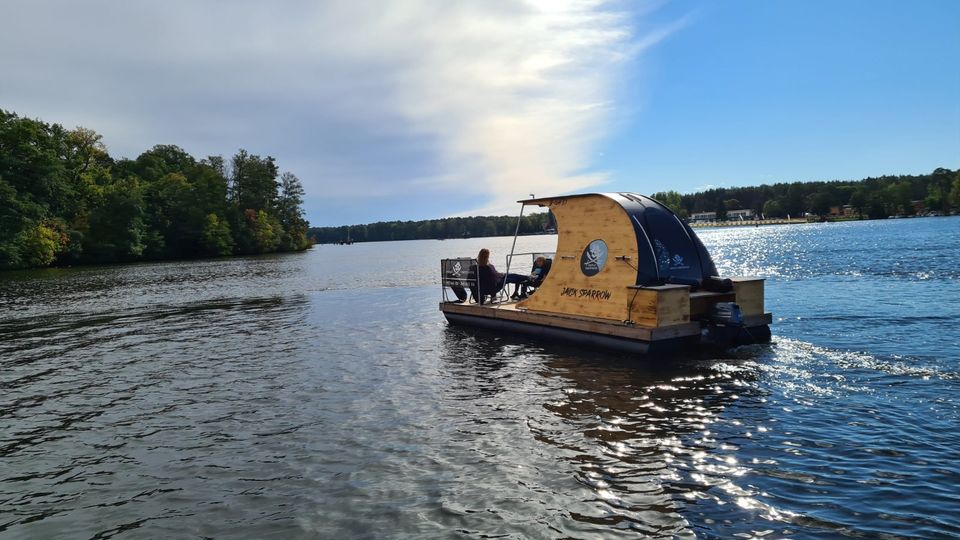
(298, 397)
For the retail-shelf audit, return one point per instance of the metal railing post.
(513, 247)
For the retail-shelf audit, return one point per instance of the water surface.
(323, 395)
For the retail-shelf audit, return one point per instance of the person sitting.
(491, 281)
(541, 265)
(547, 265)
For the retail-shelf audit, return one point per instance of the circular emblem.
(593, 258)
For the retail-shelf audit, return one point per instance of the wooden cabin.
(628, 274)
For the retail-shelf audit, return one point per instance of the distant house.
(745, 213)
(704, 216)
(842, 211)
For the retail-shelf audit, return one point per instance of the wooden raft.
(659, 313)
(591, 287)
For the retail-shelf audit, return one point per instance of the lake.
(323, 395)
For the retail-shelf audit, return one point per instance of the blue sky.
(430, 108)
(760, 92)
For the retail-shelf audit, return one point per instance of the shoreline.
(751, 223)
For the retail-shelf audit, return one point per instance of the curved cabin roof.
(609, 242)
(668, 251)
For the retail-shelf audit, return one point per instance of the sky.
(421, 109)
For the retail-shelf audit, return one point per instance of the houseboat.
(628, 274)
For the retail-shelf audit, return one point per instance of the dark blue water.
(322, 395)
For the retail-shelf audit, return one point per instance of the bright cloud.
(484, 102)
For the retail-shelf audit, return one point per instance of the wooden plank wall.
(660, 306)
(581, 220)
(749, 291)
(611, 294)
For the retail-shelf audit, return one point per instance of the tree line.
(455, 227)
(64, 200)
(870, 198)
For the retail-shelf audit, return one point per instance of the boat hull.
(604, 334)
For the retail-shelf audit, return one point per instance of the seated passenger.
(491, 281)
(541, 265)
(540, 268)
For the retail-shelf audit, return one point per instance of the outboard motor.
(724, 324)
(726, 314)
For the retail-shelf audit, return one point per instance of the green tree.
(174, 216)
(772, 208)
(940, 182)
(39, 245)
(160, 161)
(64, 200)
(670, 199)
(290, 213)
(266, 231)
(876, 207)
(819, 204)
(31, 163)
(935, 197)
(858, 199)
(898, 197)
(88, 171)
(117, 228)
(17, 217)
(955, 191)
(795, 199)
(721, 210)
(254, 181)
(180, 194)
(216, 239)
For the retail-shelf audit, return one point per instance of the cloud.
(480, 103)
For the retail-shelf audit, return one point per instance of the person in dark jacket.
(488, 272)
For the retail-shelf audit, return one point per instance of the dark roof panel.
(669, 250)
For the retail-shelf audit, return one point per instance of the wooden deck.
(671, 320)
(510, 312)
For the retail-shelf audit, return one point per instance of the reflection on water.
(306, 397)
(772, 440)
(644, 441)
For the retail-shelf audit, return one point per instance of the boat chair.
(487, 284)
(531, 286)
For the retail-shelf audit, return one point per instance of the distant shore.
(749, 223)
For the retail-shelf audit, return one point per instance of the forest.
(439, 229)
(65, 201)
(870, 198)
